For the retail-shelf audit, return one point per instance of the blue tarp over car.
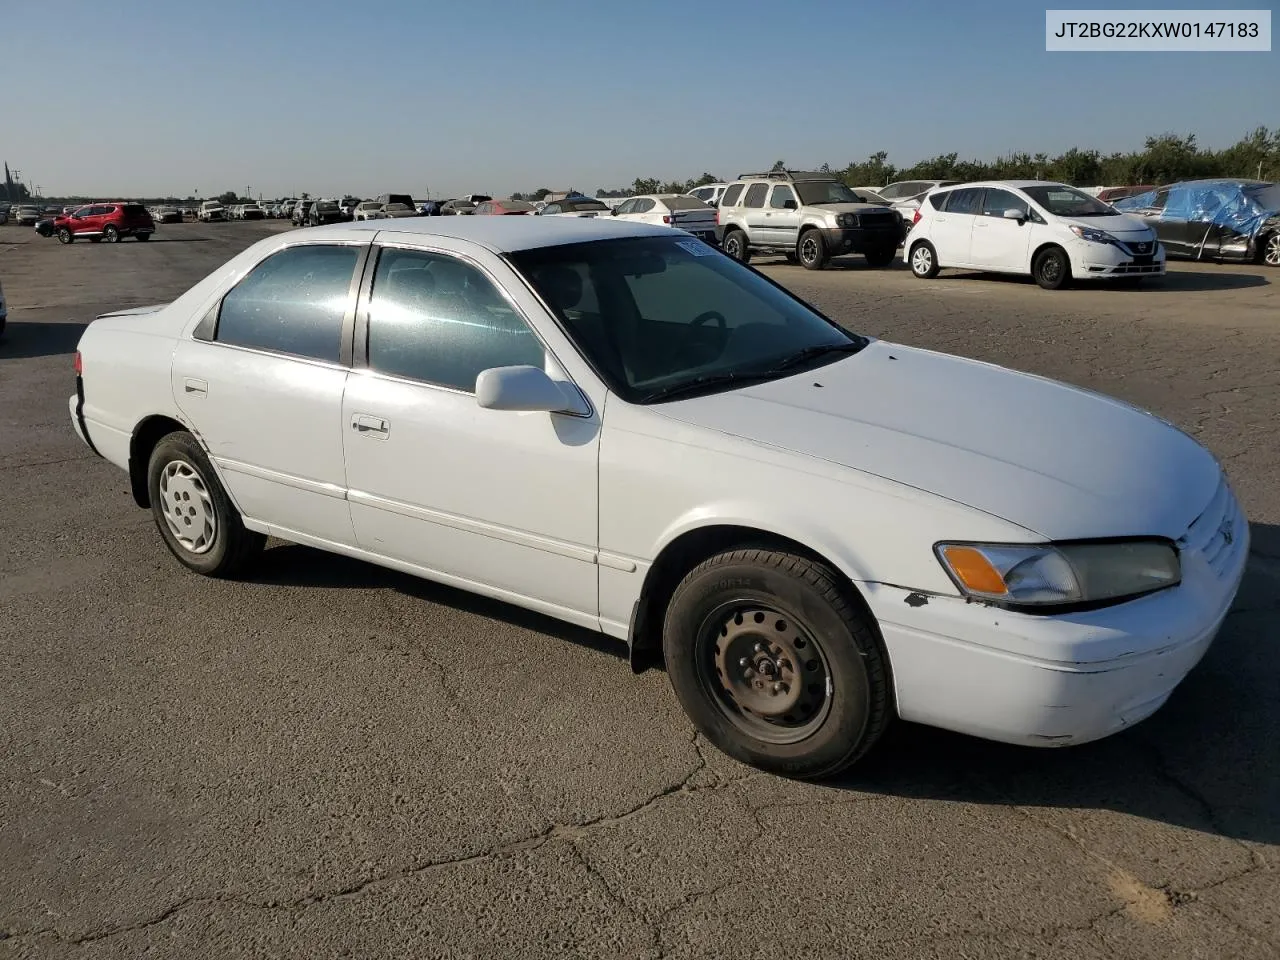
(1213, 219)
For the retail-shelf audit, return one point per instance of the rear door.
(998, 243)
(262, 379)
(951, 231)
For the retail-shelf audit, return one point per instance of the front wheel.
(1271, 250)
(65, 235)
(1052, 269)
(193, 513)
(812, 250)
(775, 663)
(110, 234)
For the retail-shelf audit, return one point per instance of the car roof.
(1016, 184)
(499, 234)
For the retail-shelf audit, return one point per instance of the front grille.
(1219, 532)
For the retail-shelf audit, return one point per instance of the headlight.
(1092, 235)
(1043, 575)
(847, 220)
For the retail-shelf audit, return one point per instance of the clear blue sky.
(147, 97)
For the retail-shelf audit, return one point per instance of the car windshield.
(1266, 196)
(577, 204)
(395, 206)
(1064, 201)
(662, 317)
(825, 191)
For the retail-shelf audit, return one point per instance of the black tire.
(781, 608)
(65, 235)
(924, 260)
(791, 257)
(220, 548)
(881, 257)
(1052, 268)
(811, 250)
(735, 245)
(95, 239)
(110, 234)
(142, 236)
(1270, 255)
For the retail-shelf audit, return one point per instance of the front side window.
(551, 208)
(781, 194)
(658, 315)
(439, 320)
(998, 201)
(293, 302)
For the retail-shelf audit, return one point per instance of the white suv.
(1051, 231)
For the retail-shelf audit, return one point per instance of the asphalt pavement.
(335, 760)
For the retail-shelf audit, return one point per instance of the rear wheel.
(143, 236)
(193, 513)
(65, 235)
(924, 260)
(110, 234)
(812, 250)
(775, 663)
(1052, 269)
(735, 245)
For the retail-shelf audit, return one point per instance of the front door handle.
(370, 426)
(199, 387)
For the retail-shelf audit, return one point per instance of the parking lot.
(332, 759)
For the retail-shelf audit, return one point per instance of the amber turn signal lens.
(974, 570)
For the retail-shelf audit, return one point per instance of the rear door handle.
(198, 387)
(370, 426)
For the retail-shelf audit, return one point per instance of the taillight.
(717, 216)
(79, 364)
(915, 218)
(666, 219)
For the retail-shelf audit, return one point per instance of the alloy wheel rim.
(1273, 250)
(920, 260)
(188, 507)
(765, 671)
(809, 249)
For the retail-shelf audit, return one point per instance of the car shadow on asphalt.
(291, 565)
(1208, 760)
(1181, 281)
(27, 339)
(158, 239)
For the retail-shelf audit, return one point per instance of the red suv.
(105, 221)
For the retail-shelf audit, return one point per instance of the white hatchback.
(1050, 231)
(619, 426)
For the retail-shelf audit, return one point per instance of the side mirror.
(523, 389)
(788, 204)
(1012, 214)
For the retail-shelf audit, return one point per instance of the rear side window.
(967, 200)
(293, 302)
(442, 321)
(938, 200)
(730, 198)
(134, 210)
(755, 195)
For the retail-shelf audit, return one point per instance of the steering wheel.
(701, 320)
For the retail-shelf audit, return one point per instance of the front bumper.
(1055, 680)
(842, 240)
(1102, 261)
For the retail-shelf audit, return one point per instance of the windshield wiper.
(705, 381)
(801, 357)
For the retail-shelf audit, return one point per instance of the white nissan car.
(617, 425)
(1050, 231)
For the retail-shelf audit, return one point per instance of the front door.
(781, 217)
(998, 243)
(465, 494)
(262, 380)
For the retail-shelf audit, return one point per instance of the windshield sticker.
(696, 247)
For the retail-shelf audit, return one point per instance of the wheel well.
(1045, 246)
(683, 554)
(145, 437)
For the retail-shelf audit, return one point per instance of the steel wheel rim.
(1273, 250)
(1051, 269)
(764, 670)
(809, 249)
(921, 261)
(187, 507)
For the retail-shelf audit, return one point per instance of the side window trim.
(360, 357)
(206, 330)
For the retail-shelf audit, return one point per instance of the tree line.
(1166, 158)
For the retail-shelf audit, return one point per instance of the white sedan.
(669, 209)
(617, 425)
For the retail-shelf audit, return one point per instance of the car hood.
(849, 207)
(1062, 462)
(1121, 225)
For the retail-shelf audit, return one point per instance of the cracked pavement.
(335, 760)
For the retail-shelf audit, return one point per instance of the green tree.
(230, 197)
(645, 185)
